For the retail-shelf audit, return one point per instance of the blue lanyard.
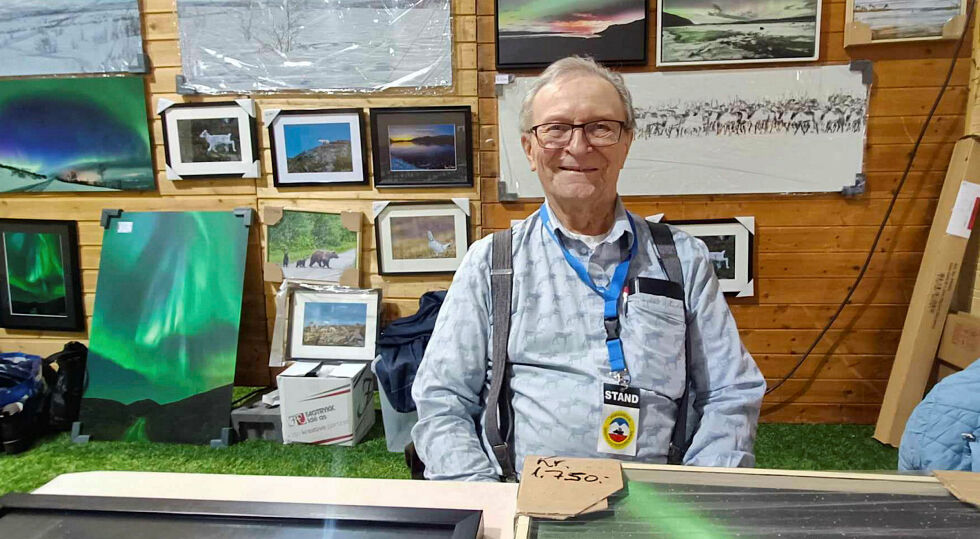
(610, 295)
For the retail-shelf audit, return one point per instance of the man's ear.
(526, 144)
(629, 142)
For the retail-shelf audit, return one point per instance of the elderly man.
(572, 258)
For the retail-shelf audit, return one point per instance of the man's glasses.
(599, 133)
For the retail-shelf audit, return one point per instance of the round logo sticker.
(618, 429)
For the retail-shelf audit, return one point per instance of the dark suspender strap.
(664, 240)
(499, 416)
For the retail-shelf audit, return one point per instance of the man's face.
(578, 172)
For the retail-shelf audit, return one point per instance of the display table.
(497, 500)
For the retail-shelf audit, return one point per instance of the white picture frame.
(323, 308)
(746, 22)
(402, 231)
(285, 134)
(730, 247)
(192, 151)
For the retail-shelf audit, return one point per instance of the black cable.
(891, 205)
(240, 400)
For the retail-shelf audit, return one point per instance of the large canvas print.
(534, 33)
(77, 134)
(703, 32)
(164, 334)
(873, 21)
(232, 46)
(40, 286)
(732, 131)
(62, 37)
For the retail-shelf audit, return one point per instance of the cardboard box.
(960, 344)
(326, 403)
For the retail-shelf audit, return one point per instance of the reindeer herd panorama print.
(796, 116)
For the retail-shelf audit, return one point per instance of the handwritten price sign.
(557, 487)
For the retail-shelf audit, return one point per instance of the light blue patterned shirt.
(558, 352)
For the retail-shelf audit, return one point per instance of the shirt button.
(583, 251)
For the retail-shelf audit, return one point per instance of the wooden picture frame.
(427, 237)
(40, 278)
(331, 145)
(523, 44)
(869, 22)
(192, 151)
(422, 147)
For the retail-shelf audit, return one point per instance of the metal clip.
(969, 436)
(623, 378)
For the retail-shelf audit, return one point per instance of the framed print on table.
(317, 147)
(737, 32)
(535, 33)
(421, 238)
(209, 139)
(729, 243)
(875, 21)
(422, 147)
(334, 325)
(40, 282)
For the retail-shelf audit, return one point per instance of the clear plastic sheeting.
(712, 511)
(243, 46)
(65, 37)
(779, 130)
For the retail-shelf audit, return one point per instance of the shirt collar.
(620, 228)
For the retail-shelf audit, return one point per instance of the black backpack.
(65, 374)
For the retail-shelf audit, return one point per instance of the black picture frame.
(387, 262)
(735, 272)
(245, 167)
(538, 52)
(282, 179)
(20, 515)
(73, 317)
(461, 174)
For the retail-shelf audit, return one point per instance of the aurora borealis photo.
(74, 134)
(535, 32)
(35, 273)
(165, 328)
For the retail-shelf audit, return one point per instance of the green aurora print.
(35, 273)
(165, 329)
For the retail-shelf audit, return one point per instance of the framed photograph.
(422, 147)
(40, 281)
(317, 147)
(45, 515)
(210, 139)
(875, 21)
(534, 34)
(74, 134)
(334, 325)
(421, 238)
(729, 244)
(737, 32)
(312, 245)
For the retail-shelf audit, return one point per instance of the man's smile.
(577, 169)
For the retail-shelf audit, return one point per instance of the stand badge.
(620, 410)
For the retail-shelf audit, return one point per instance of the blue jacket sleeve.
(728, 385)
(452, 376)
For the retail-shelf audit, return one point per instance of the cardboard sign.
(963, 485)
(560, 488)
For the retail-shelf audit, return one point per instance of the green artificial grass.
(800, 447)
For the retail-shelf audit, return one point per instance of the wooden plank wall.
(161, 40)
(809, 247)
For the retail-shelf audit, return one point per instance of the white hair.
(567, 67)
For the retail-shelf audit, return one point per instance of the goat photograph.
(729, 243)
(205, 140)
(311, 245)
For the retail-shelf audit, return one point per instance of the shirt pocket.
(653, 335)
